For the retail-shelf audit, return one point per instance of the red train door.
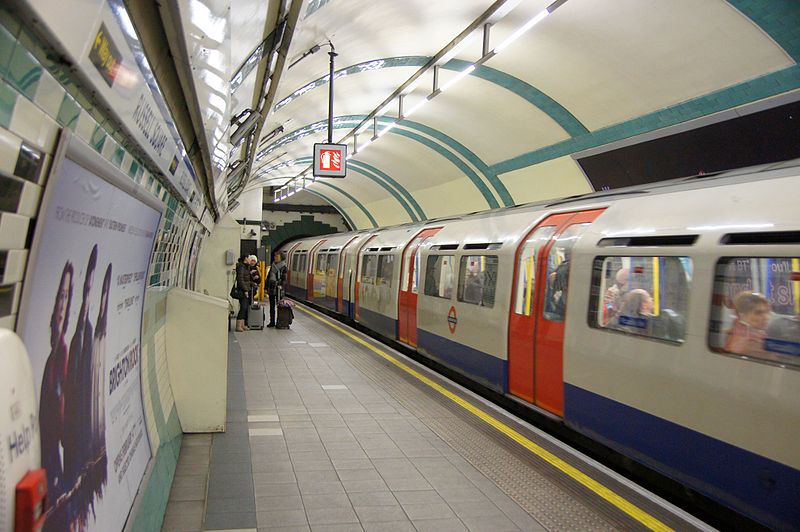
(538, 307)
(340, 276)
(409, 276)
(354, 300)
(312, 261)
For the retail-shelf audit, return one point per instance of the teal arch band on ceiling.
(399, 194)
(528, 92)
(558, 113)
(347, 218)
(351, 198)
(354, 168)
(465, 152)
(778, 18)
(376, 172)
(764, 87)
(350, 121)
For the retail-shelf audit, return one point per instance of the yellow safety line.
(640, 515)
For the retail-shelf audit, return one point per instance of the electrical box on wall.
(230, 257)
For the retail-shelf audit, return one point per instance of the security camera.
(246, 127)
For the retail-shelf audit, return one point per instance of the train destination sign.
(330, 160)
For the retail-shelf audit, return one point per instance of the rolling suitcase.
(285, 313)
(255, 316)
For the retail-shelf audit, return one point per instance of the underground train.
(661, 321)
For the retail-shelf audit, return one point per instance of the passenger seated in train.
(748, 332)
(783, 335)
(473, 287)
(614, 294)
(636, 315)
(558, 283)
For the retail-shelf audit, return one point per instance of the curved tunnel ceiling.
(590, 73)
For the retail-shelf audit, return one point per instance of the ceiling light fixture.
(461, 75)
(517, 34)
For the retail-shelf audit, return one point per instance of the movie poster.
(81, 322)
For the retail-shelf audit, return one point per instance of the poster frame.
(70, 146)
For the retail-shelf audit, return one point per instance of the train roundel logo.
(452, 320)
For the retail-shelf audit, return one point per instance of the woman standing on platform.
(243, 283)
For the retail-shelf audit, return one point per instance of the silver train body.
(623, 314)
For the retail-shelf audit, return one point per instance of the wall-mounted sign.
(330, 160)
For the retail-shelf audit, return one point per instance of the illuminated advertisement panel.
(81, 319)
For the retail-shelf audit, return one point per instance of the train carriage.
(661, 321)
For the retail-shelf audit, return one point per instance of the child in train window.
(749, 329)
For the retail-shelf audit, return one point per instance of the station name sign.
(330, 160)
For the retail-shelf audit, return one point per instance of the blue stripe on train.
(378, 322)
(484, 368)
(761, 488)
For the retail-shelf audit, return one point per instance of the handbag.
(236, 292)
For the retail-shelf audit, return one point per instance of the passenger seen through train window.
(558, 264)
(646, 296)
(439, 276)
(477, 279)
(756, 308)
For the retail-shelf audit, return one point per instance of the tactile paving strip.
(550, 497)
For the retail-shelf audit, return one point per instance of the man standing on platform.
(276, 280)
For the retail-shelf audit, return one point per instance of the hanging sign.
(330, 160)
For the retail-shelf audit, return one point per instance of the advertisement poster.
(81, 321)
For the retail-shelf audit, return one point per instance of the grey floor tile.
(352, 464)
(440, 525)
(188, 488)
(351, 527)
(317, 488)
(238, 490)
(273, 477)
(281, 518)
(353, 486)
(407, 484)
(418, 497)
(268, 466)
(184, 516)
(358, 474)
(373, 498)
(490, 524)
(394, 526)
(285, 502)
(331, 516)
(312, 465)
(297, 528)
(377, 514)
(475, 509)
(468, 494)
(326, 500)
(276, 490)
(435, 510)
(226, 506)
(229, 521)
(325, 475)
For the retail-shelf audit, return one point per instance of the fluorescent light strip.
(385, 130)
(517, 34)
(416, 107)
(461, 75)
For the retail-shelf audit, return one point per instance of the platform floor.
(326, 432)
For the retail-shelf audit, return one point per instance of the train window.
(756, 309)
(369, 269)
(558, 263)
(645, 296)
(439, 276)
(333, 263)
(322, 263)
(477, 279)
(295, 262)
(385, 269)
(303, 262)
(526, 269)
